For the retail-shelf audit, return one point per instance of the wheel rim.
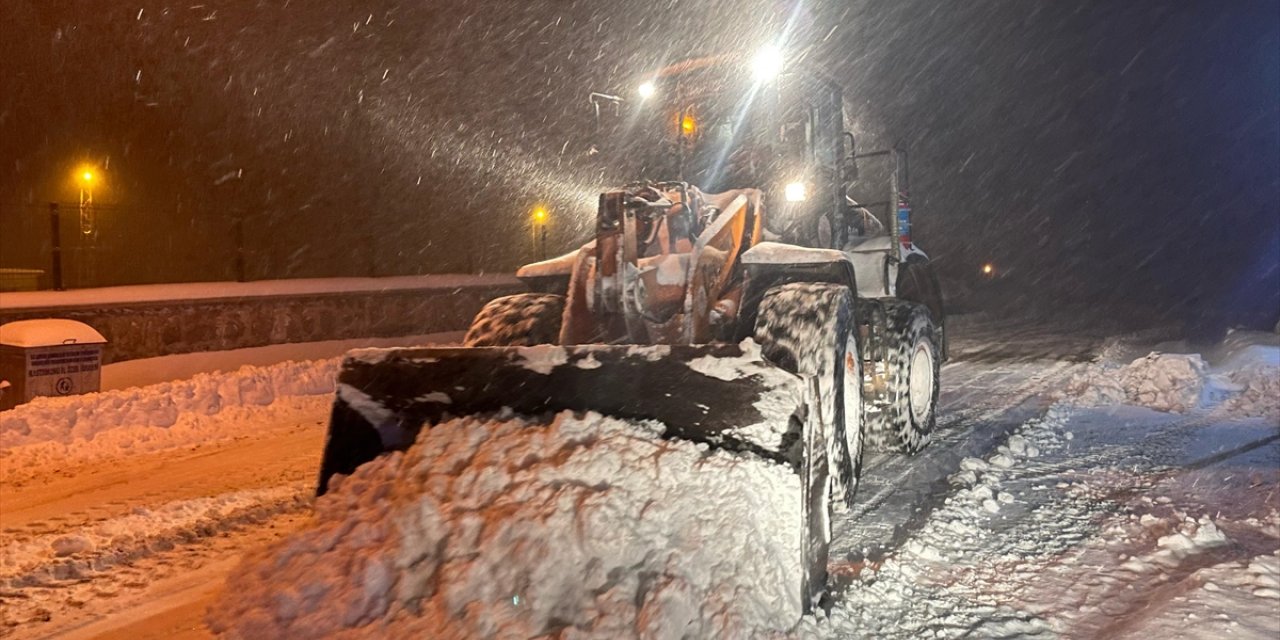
(852, 388)
(921, 380)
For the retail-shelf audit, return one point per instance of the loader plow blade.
(724, 395)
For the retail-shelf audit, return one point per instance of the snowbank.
(1242, 349)
(586, 527)
(1161, 381)
(1244, 383)
(62, 433)
(161, 406)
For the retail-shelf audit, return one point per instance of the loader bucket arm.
(722, 395)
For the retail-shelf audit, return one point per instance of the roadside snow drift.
(1245, 382)
(87, 429)
(1160, 381)
(586, 527)
(163, 405)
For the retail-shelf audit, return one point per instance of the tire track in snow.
(44, 575)
(898, 493)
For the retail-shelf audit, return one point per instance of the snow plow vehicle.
(738, 295)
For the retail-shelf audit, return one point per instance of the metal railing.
(104, 245)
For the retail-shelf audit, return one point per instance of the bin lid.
(48, 332)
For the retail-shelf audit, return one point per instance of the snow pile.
(1251, 391)
(1243, 348)
(1245, 384)
(163, 405)
(1160, 381)
(1192, 536)
(1249, 382)
(586, 527)
(64, 432)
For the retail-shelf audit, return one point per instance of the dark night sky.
(1097, 150)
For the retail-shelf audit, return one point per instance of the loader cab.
(716, 124)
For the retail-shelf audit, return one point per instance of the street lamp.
(86, 179)
(540, 216)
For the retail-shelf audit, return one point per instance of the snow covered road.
(1030, 515)
(89, 547)
(1039, 517)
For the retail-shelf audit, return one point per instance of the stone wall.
(149, 329)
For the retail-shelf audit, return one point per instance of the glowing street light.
(646, 90)
(540, 217)
(86, 178)
(988, 269)
(688, 126)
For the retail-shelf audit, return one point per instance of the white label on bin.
(63, 371)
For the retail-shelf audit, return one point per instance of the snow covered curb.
(587, 527)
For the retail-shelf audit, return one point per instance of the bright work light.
(646, 90)
(768, 63)
(795, 192)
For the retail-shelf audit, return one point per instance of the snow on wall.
(198, 318)
(134, 294)
(586, 527)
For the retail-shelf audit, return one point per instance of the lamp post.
(87, 178)
(540, 216)
(87, 223)
(55, 237)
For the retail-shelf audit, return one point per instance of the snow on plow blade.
(723, 395)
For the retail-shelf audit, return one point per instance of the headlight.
(795, 192)
(646, 89)
(767, 64)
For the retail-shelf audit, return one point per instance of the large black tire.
(807, 328)
(519, 320)
(908, 410)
